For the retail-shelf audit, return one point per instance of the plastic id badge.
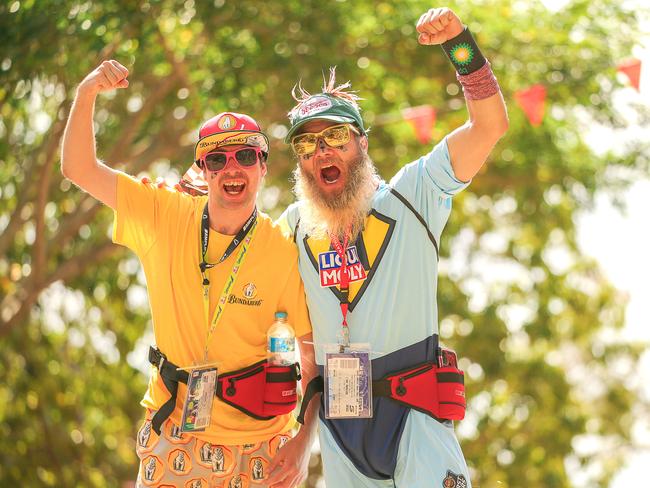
(197, 409)
(348, 382)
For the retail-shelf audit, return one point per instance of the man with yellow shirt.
(217, 271)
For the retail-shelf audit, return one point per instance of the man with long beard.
(369, 261)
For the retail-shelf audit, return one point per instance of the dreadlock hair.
(330, 87)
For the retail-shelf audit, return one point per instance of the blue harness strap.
(417, 215)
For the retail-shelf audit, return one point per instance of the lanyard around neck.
(244, 236)
(205, 238)
(344, 284)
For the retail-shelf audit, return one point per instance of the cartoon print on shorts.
(258, 467)
(203, 453)
(179, 462)
(152, 470)
(196, 483)
(174, 435)
(238, 481)
(218, 460)
(145, 441)
(222, 461)
(276, 443)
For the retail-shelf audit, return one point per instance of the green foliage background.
(541, 375)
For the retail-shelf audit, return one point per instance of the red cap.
(229, 128)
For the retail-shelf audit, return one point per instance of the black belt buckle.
(161, 360)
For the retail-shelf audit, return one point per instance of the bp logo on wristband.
(462, 54)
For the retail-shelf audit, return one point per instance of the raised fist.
(107, 76)
(438, 25)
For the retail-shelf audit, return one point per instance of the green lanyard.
(223, 299)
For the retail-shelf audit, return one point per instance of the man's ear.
(263, 169)
(363, 142)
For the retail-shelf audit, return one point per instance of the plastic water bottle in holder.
(281, 342)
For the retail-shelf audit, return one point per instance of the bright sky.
(620, 243)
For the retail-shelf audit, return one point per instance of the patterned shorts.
(179, 460)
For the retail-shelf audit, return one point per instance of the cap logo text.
(314, 106)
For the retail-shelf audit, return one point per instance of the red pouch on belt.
(260, 390)
(429, 388)
(280, 395)
(451, 386)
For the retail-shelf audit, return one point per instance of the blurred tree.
(549, 392)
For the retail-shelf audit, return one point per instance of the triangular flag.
(632, 69)
(422, 118)
(531, 100)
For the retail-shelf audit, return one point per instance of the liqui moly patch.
(329, 267)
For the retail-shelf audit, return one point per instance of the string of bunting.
(532, 100)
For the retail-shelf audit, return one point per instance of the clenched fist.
(106, 77)
(438, 25)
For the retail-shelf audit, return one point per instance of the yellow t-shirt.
(162, 226)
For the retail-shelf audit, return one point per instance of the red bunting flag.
(632, 69)
(531, 100)
(422, 118)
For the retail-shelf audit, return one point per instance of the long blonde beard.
(340, 215)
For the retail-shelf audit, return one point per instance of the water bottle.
(281, 342)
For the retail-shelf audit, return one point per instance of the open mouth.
(330, 174)
(234, 187)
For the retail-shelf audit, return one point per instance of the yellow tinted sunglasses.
(334, 136)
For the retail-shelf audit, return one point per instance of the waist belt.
(260, 390)
(434, 388)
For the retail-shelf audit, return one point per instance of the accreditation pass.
(197, 409)
(348, 382)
